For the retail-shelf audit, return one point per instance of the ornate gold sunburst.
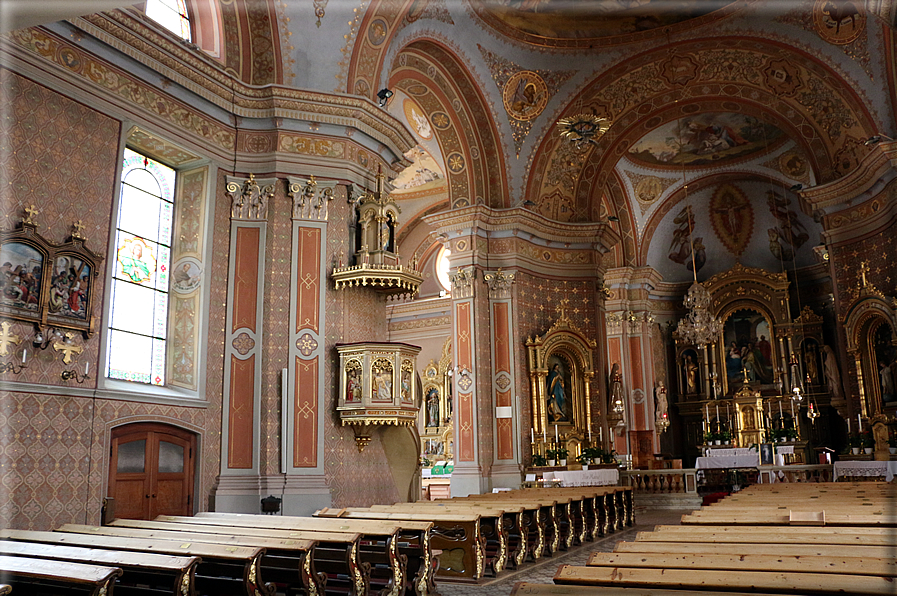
(583, 128)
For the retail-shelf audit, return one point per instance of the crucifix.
(30, 213)
(562, 307)
(78, 227)
(67, 348)
(7, 338)
(864, 269)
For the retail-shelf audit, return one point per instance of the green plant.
(551, 454)
(609, 457)
(539, 460)
(892, 441)
(561, 453)
(709, 437)
(791, 433)
(725, 436)
(584, 457)
(868, 439)
(855, 440)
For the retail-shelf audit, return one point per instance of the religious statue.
(382, 385)
(660, 398)
(832, 375)
(691, 374)
(433, 407)
(557, 397)
(810, 362)
(616, 387)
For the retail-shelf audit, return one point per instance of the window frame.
(188, 13)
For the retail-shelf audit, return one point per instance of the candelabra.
(72, 374)
(8, 367)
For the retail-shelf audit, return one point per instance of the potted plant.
(562, 456)
(551, 455)
(868, 441)
(539, 460)
(892, 444)
(709, 437)
(726, 437)
(856, 442)
(584, 458)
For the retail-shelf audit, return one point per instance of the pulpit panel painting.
(558, 390)
(748, 348)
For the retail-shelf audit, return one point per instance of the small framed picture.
(767, 455)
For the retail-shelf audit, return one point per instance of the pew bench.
(457, 536)
(43, 577)
(530, 589)
(285, 562)
(740, 548)
(715, 579)
(407, 542)
(222, 571)
(141, 571)
(773, 535)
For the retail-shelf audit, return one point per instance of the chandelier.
(699, 327)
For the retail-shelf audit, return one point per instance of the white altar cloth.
(599, 477)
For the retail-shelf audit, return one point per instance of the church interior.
(301, 256)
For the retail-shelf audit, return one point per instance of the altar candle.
(727, 411)
(532, 436)
(706, 413)
(717, 412)
(860, 420)
(556, 440)
(601, 434)
(780, 408)
(792, 412)
(86, 366)
(590, 434)
(848, 426)
(544, 440)
(24, 355)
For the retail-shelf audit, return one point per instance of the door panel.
(151, 470)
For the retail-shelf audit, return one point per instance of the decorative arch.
(782, 85)
(251, 41)
(867, 314)
(442, 85)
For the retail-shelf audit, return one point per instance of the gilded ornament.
(525, 95)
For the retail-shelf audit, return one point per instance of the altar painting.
(748, 348)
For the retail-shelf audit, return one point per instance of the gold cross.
(7, 338)
(78, 226)
(67, 348)
(31, 212)
(864, 269)
(561, 308)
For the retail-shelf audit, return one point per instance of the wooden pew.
(42, 577)
(739, 548)
(530, 589)
(457, 536)
(223, 570)
(285, 561)
(379, 550)
(772, 563)
(163, 573)
(776, 518)
(494, 520)
(773, 535)
(544, 534)
(714, 579)
(413, 540)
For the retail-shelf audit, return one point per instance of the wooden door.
(151, 470)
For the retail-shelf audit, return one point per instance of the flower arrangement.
(855, 440)
(561, 453)
(868, 439)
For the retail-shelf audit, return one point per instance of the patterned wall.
(353, 314)
(537, 301)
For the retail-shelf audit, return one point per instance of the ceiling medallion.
(583, 128)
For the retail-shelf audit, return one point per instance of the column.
(506, 427)
(238, 485)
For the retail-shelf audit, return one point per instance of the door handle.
(147, 496)
(154, 496)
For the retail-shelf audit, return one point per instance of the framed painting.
(22, 266)
(748, 349)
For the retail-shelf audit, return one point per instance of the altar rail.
(685, 481)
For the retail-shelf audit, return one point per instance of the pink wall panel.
(305, 419)
(240, 426)
(246, 254)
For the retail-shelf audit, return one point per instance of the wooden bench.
(773, 563)
(43, 577)
(530, 589)
(773, 535)
(739, 548)
(223, 570)
(141, 571)
(494, 521)
(544, 525)
(378, 546)
(715, 579)
(289, 562)
(457, 536)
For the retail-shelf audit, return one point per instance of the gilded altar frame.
(869, 310)
(566, 342)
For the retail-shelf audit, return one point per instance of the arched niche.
(561, 365)
(871, 329)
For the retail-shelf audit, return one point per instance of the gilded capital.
(310, 198)
(249, 199)
(462, 283)
(499, 283)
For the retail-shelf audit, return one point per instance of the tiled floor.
(543, 571)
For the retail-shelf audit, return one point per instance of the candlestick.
(532, 435)
(706, 412)
(848, 426)
(24, 355)
(793, 419)
(86, 367)
(780, 409)
(860, 420)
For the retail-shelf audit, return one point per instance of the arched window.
(139, 303)
(442, 269)
(171, 14)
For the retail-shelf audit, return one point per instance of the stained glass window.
(139, 318)
(171, 14)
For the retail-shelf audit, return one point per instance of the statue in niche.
(832, 374)
(433, 407)
(691, 374)
(660, 397)
(557, 397)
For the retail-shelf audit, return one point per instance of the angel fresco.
(790, 234)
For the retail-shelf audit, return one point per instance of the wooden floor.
(544, 571)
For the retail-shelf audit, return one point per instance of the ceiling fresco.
(747, 221)
(704, 139)
(576, 19)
